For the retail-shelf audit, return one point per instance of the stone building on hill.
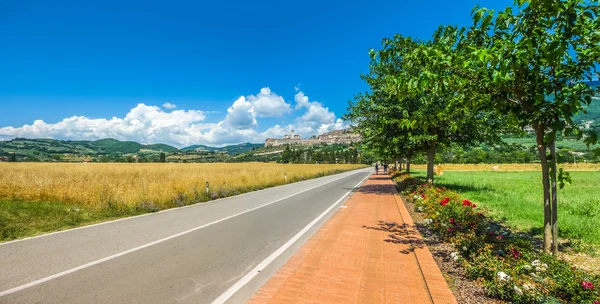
(345, 136)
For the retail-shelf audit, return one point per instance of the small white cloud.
(301, 100)
(168, 105)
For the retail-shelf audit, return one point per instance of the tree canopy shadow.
(400, 234)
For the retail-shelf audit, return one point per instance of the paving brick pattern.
(368, 252)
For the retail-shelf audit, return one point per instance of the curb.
(435, 281)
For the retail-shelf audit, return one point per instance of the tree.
(534, 63)
(163, 157)
(413, 97)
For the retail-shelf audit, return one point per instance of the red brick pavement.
(369, 252)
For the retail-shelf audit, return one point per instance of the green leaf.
(564, 178)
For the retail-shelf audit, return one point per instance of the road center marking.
(114, 256)
(254, 272)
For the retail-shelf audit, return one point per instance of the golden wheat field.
(509, 167)
(162, 185)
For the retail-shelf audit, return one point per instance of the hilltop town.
(345, 136)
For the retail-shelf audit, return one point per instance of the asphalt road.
(220, 251)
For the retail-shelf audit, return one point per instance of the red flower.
(474, 206)
(473, 225)
(445, 202)
(452, 221)
(587, 285)
(450, 229)
(596, 302)
(515, 253)
(480, 214)
(467, 203)
(499, 237)
(423, 196)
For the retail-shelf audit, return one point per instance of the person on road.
(376, 168)
(385, 168)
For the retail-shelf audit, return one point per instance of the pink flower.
(467, 203)
(587, 285)
(423, 196)
(596, 302)
(474, 206)
(445, 202)
(450, 229)
(499, 237)
(452, 221)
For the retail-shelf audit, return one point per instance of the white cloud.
(147, 124)
(168, 105)
(269, 104)
(241, 115)
(151, 124)
(301, 100)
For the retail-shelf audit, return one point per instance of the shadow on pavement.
(400, 234)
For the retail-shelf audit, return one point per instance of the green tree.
(162, 157)
(534, 62)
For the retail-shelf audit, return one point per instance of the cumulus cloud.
(317, 119)
(151, 124)
(168, 105)
(269, 104)
(301, 100)
(241, 115)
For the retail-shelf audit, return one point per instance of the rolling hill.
(231, 149)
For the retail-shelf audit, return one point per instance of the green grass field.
(516, 199)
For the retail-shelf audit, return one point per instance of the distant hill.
(232, 149)
(111, 145)
(45, 148)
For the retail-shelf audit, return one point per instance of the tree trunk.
(430, 160)
(396, 164)
(554, 197)
(540, 132)
(408, 164)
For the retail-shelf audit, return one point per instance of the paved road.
(218, 251)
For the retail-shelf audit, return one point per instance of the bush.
(506, 264)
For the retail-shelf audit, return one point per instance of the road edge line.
(122, 253)
(224, 297)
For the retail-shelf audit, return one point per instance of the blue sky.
(93, 69)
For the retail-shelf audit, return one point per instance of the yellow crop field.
(510, 167)
(159, 186)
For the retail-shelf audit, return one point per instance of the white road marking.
(108, 258)
(254, 272)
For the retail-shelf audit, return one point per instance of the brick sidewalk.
(368, 252)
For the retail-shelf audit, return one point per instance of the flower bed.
(505, 263)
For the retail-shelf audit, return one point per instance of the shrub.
(506, 264)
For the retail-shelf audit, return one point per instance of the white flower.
(503, 276)
(528, 286)
(535, 263)
(416, 197)
(538, 269)
(544, 267)
(533, 275)
(455, 256)
(527, 267)
(420, 209)
(518, 290)
(465, 248)
(427, 221)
